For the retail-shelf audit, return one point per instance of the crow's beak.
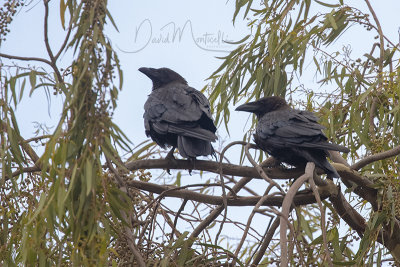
(249, 107)
(149, 72)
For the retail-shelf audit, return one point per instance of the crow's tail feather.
(195, 132)
(192, 147)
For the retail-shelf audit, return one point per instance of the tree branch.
(130, 237)
(53, 60)
(348, 213)
(302, 197)
(380, 32)
(249, 220)
(287, 202)
(64, 43)
(46, 30)
(211, 166)
(24, 170)
(266, 241)
(374, 104)
(364, 186)
(26, 58)
(217, 211)
(389, 237)
(224, 198)
(260, 169)
(383, 155)
(323, 226)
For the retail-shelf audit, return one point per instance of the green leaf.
(39, 208)
(305, 226)
(21, 91)
(63, 7)
(335, 244)
(32, 79)
(178, 179)
(240, 41)
(89, 176)
(326, 4)
(112, 20)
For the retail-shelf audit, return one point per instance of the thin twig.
(287, 202)
(259, 169)
(249, 220)
(26, 58)
(224, 197)
(374, 104)
(37, 138)
(53, 60)
(214, 214)
(181, 208)
(380, 32)
(366, 63)
(265, 243)
(46, 30)
(164, 191)
(248, 189)
(323, 228)
(65, 41)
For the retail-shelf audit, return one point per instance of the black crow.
(290, 135)
(178, 115)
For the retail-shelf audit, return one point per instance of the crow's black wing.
(294, 128)
(179, 109)
(206, 121)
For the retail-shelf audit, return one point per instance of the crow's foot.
(170, 157)
(193, 163)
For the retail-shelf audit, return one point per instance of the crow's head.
(162, 76)
(264, 105)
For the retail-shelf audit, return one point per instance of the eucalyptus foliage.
(360, 108)
(64, 213)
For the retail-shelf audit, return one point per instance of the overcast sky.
(186, 36)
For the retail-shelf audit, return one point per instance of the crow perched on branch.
(290, 135)
(178, 115)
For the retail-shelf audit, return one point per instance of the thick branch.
(348, 213)
(302, 197)
(211, 166)
(388, 237)
(383, 155)
(364, 186)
